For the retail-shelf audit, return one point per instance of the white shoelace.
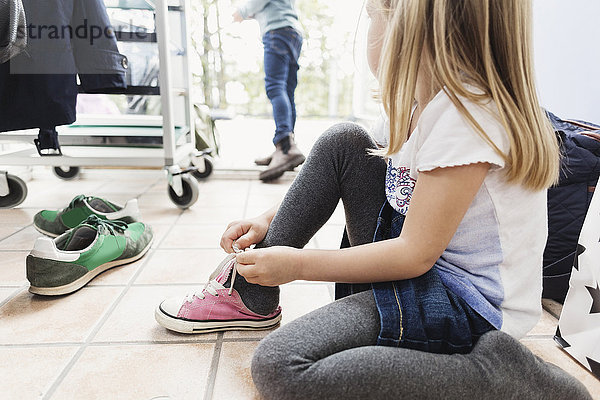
(212, 286)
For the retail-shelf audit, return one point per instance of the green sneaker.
(67, 263)
(55, 223)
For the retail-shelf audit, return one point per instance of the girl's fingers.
(232, 233)
(246, 240)
(226, 244)
(246, 258)
(246, 271)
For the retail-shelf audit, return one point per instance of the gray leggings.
(331, 352)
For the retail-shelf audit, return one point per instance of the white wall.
(567, 57)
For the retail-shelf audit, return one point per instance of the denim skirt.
(420, 313)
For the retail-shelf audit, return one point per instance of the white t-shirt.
(494, 260)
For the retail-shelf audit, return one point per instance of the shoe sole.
(52, 235)
(275, 173)
(266, 165)
(187, 326)
(81, 282)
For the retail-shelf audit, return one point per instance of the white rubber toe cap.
(172, 306)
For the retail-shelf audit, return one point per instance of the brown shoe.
(282, 162)
(264, 161)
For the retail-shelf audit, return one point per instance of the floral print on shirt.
(399, 187)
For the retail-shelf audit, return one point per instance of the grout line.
(100, 323)
(16, 232)
(36, 345)
(244, 340)
(150, 187)
(151, 342)
(214, 365)
(64, 372)
(16, 226)
(108, 344)
(13, 295)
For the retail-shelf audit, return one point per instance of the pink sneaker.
(214, 308)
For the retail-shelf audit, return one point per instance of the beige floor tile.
(160, 232)
(300, 299)
(22, 240)
(127, 186)
(29, 318)
(180, 266)
(252, 212)
(119, 275)
(233, 379)
(264, 200)
(225, 187)
(26, 373)
(329, 236)
(12, 267)
(269, 188)
(312, 244)
(338, 217)
(296, 300)
(158, 187)
(156, 200)
(123, 175)
(133, 319)
(546, 326)
(17, 216)
(220, 198)
(548, 350)
(7, 230)
(172, 371)
(211, 215)
(6, 292)
(194, 237)
(161, 215)
(59, 194)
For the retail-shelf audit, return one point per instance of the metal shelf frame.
(175, 157)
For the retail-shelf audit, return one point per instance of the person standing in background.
(282, 39)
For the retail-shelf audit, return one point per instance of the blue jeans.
(282, 49)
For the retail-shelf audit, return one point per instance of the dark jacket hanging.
(38, 88)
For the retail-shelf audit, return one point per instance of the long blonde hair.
(486, 43)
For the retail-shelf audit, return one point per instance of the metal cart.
(130, 140)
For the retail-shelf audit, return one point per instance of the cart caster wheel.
(66, 173)
(17, 192)
(190, 192)
(208, 169)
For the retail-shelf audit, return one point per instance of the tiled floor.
(103, 343)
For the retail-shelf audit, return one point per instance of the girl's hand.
(244, 233)
(271, 266)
